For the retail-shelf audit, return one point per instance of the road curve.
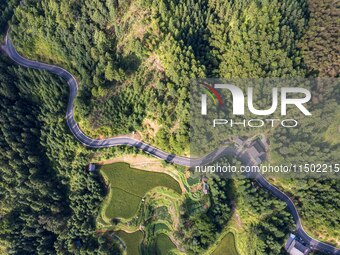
(110, 142)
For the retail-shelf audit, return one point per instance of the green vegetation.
(163, 245)
(134, 61)
(320, 44)
(264, 218)
(332, 134)
(48, 201)
(226, 246)
(252, 39)
(150, 51)
(316, 141)
(121, 204)
(128, 186)
(204, 219)
(156, 215)
(132, 241)
(310, 142)
(7, 8)
(317, 197)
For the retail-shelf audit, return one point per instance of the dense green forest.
(149, 51)
(134, 61)
(48, 201)
(320, 44)
(201, 228)
(275, 221)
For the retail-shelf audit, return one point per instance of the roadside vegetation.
(134, 61)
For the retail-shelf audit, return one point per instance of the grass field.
(332, 135)
(132, 241)
(226, 246)
(123, 204)
(163, 244)
(160, 227)
(128, 186)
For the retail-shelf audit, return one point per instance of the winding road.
(102, 143)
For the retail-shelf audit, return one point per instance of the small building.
(257, 151)
(238, 142)
(263, 157)
(255, 155)
(258, 147)
(294, 247)
(253, 152)
(205, 186)
(92, 167)
(264, 143)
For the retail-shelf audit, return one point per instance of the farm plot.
(226, 246)
(128, 186)
(132, 241)
(163, 244)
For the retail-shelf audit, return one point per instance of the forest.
(48, 202)
(134, 61)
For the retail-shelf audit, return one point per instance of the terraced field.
(128, 186)
(226, 246)
(132, 241)
(163, 244)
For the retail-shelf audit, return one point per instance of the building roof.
(263, 157)
(258, 160)
(294, 247)
(258, 147)
(301, 247)
(264, 143)
(289, 241)
(239, 141)
(295, 251)
(253, 152)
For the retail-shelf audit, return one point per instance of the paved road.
(102, 143)
(314, 244)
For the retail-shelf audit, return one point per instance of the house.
(263, 157)
(238, 142)
(255, 155)
(257, 151)
(258, 147)
(253, 152)
(294, 247)
(264, 143)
